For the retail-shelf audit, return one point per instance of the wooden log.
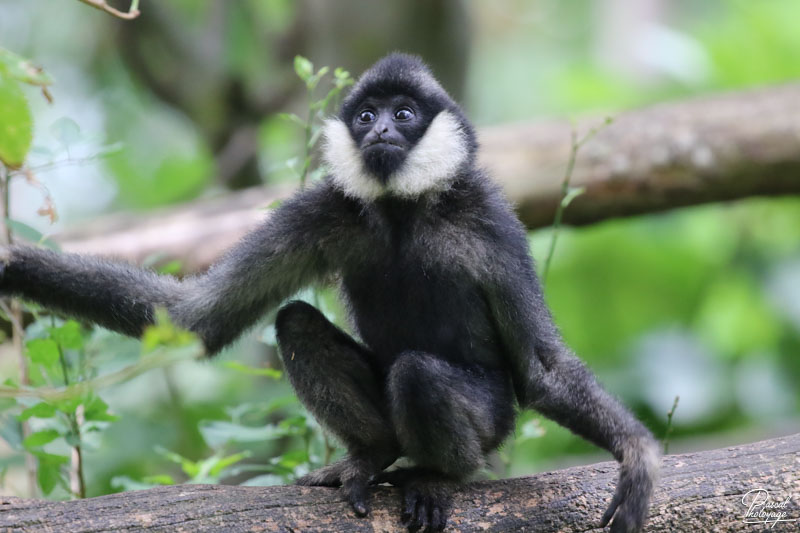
(705, 491)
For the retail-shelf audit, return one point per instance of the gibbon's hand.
(630, 503)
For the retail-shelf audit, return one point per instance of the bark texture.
(716, 148)
(698, 492)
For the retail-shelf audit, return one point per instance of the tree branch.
(711, 149)
(698, 492)
(102, 5)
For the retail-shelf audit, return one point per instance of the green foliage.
(162, 159)
(753, 42)
(164, 333)
(16, 123)
(251, 371)
(316, 111)
(66, 131)
(20, 69)
(62, 421)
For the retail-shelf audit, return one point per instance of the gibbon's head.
(398, 133)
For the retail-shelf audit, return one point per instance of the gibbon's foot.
(399, 477)
(353, 474)
(327, 476)
(426, 504)
(427, 498)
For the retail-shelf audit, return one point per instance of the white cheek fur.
(346, 166)
(430, 166)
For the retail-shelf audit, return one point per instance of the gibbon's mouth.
(385, 143)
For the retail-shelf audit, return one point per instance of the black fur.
(443, 294)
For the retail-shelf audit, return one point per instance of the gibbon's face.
(397, 134)
(385, 129)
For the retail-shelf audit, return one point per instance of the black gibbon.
(453, 331)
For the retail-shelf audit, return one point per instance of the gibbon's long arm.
(550, 379)
(268, 265)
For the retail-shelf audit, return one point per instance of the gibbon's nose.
(381, 127)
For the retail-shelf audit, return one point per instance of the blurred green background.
(701, 303)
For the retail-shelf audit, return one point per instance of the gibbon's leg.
(447, 418)
(335, 378)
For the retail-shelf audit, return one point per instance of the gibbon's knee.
(437, 425)
(308, 340)
(298, 318)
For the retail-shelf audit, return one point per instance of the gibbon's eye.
(403, 113)
(366, 116)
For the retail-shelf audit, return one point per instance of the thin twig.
(668, 431)
(566, 196)
(308, 132)
(76, 420)
(77, 483)
(102, 5)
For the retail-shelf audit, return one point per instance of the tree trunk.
(698, 492)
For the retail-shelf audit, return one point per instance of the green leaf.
(165, 333)
(291, 117)
(96, 409)
(217, 433)
(292, 459)
(172, 267)
(73, 439)
(40, 410)
(280, 403)
(68, 405)
(49, 471)
(341, 74)
(7, 403)
(68, 335)
(28, 233)
(189, 467)
(21, 69)
(253, 371)
(572, 193)
(297, 422)
(43, 352)
(16, 123)
(159, 479)
(127, 483)
(66, 131)
(225, 462)
(314, 79)
(303, 67)
(40, 438)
